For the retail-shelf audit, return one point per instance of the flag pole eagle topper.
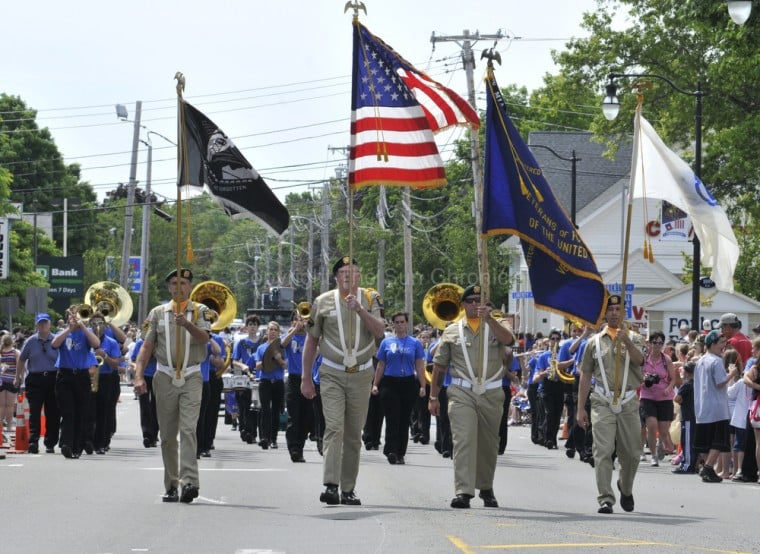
(356, 6)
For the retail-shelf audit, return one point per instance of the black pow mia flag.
(214, 160)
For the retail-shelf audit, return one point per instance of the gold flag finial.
(180, 82)
(356, 5)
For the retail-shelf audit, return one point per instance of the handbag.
(754, 413)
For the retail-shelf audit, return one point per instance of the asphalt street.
(258, 501)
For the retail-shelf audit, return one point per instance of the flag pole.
(356, 6)
(182, 156)
(626, 245)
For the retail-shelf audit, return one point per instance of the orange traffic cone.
(22, 431)
(565, 434)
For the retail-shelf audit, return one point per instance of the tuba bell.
(110, 300)
(303, 309)
(219, 298)
(442, 304)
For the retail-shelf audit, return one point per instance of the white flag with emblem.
(657, 172)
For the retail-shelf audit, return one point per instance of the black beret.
(345, 260)
(184, 273)
(613, 300)
(472, 290)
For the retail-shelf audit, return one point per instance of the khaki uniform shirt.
(590, 364)
(325, 328)
(450, 353)
(157, 333)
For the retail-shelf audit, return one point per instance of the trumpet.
(83, 311)
(95, 377)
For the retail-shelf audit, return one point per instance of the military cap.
(613, 300)
(345, 260)
(472, 290)
(184, 273)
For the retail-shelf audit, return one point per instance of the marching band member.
(244, 350)
(300, 410)
(73, 383)
(476, 399)
(271, 387)
(178, 382)
(399, 381)
(103, 398)
(148, 417)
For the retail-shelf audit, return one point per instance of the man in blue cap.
(37, 359)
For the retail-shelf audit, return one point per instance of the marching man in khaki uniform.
(178, 382)
(345, 324)
(472, 349)
(614, 404)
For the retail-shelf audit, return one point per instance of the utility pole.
(468, 60)
(145, 238)
(127, 244)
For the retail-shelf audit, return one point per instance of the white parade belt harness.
(348, 369)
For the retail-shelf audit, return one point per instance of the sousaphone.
(219, 298)
(442, 304)
(110, 300)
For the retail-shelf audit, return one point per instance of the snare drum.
(227, 381)
(255, 400)
(240, 382)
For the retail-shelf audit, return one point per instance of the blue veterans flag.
(517, 200)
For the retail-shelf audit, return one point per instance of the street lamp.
(739, 10)
(611, 106)
(121, 113)
(573, 176)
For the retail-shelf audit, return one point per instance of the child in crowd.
(685, 398)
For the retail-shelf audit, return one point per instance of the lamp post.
(611, 107)
(573, 176)
(739, 10)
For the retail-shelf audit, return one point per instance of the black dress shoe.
(400, 461)
(100, 451)
(350, 499)
(570, 453)
(605, 508)
(50, 450)
(297, 457)
(461, 501)
(171, 495)
(264, 444)
(205, 454)
(392, 459)
(189, 493)
(446, 454)
(67, 452)
(89, 448)
(34, 448)
(330, 496)
(273, 446)
(147, 442)
(489, 500)
(626, 501)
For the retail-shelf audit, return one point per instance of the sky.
(274, 76)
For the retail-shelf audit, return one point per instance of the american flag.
(395, 110)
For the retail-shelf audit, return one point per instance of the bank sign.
(65, 275)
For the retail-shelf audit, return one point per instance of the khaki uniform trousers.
(345, 401)
(475, 421)
(619, 433)
(177, 409)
